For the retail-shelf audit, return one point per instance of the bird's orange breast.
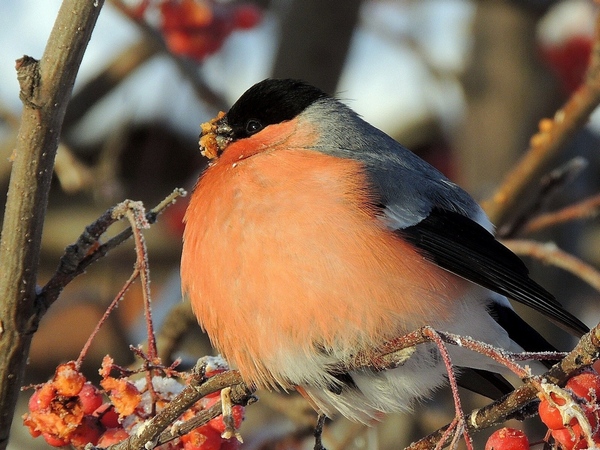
(283, 253)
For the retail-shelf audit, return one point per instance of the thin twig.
(104, 318)
(550, 185)
(135, 214)
(585, 353)
(585, 209)
(459, 414)
(549, 253)
(86, 250)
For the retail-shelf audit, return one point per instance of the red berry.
(34, 432)
(591, 412)
(108, 416)
(90, 398)
(586, 385)
(507, 439)
(246, 17)
(53, 440)
(34, 401)
(210, 400)
(42, 397)
(195, 14)
(569, 438)
(178, 41)
(112, 436)
(215, 367)
(88, 432)
(202, 438)
(550, 414)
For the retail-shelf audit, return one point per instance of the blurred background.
(461, 83)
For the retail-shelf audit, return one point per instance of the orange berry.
(550, 415)
(586, 385)
(112, 436)
(507, 439)
(68, 381)
(568, 438)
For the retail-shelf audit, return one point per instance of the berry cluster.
(69, 410)
(572, 416)
(198, 28)
(64, 410)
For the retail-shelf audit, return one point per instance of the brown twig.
(46, 86)
(86, 250)
(134, 212)
(549, 253)
(585, 209)
(584, 354)
(550, 184)
(552, 135)
(459, 423)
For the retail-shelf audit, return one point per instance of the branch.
(546, 144)
(46, 86)
(585, 209)
(584, 354)
(87, 250)
(550, 185)
(153, 433)
(549, 253)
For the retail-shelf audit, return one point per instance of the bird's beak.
(215, 135)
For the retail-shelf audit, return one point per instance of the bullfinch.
(313, 235)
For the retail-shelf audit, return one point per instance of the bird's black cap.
(268, 102)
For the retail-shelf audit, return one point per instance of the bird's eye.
(253, 126)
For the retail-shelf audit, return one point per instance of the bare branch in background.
(545, 145)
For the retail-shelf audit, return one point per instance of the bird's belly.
(292, 268)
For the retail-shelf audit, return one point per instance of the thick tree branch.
(46, 86)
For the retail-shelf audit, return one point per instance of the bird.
(313, 236)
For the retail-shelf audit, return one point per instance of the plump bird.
(313, 235)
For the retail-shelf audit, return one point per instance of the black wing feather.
(488, 384)
(463, 247)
